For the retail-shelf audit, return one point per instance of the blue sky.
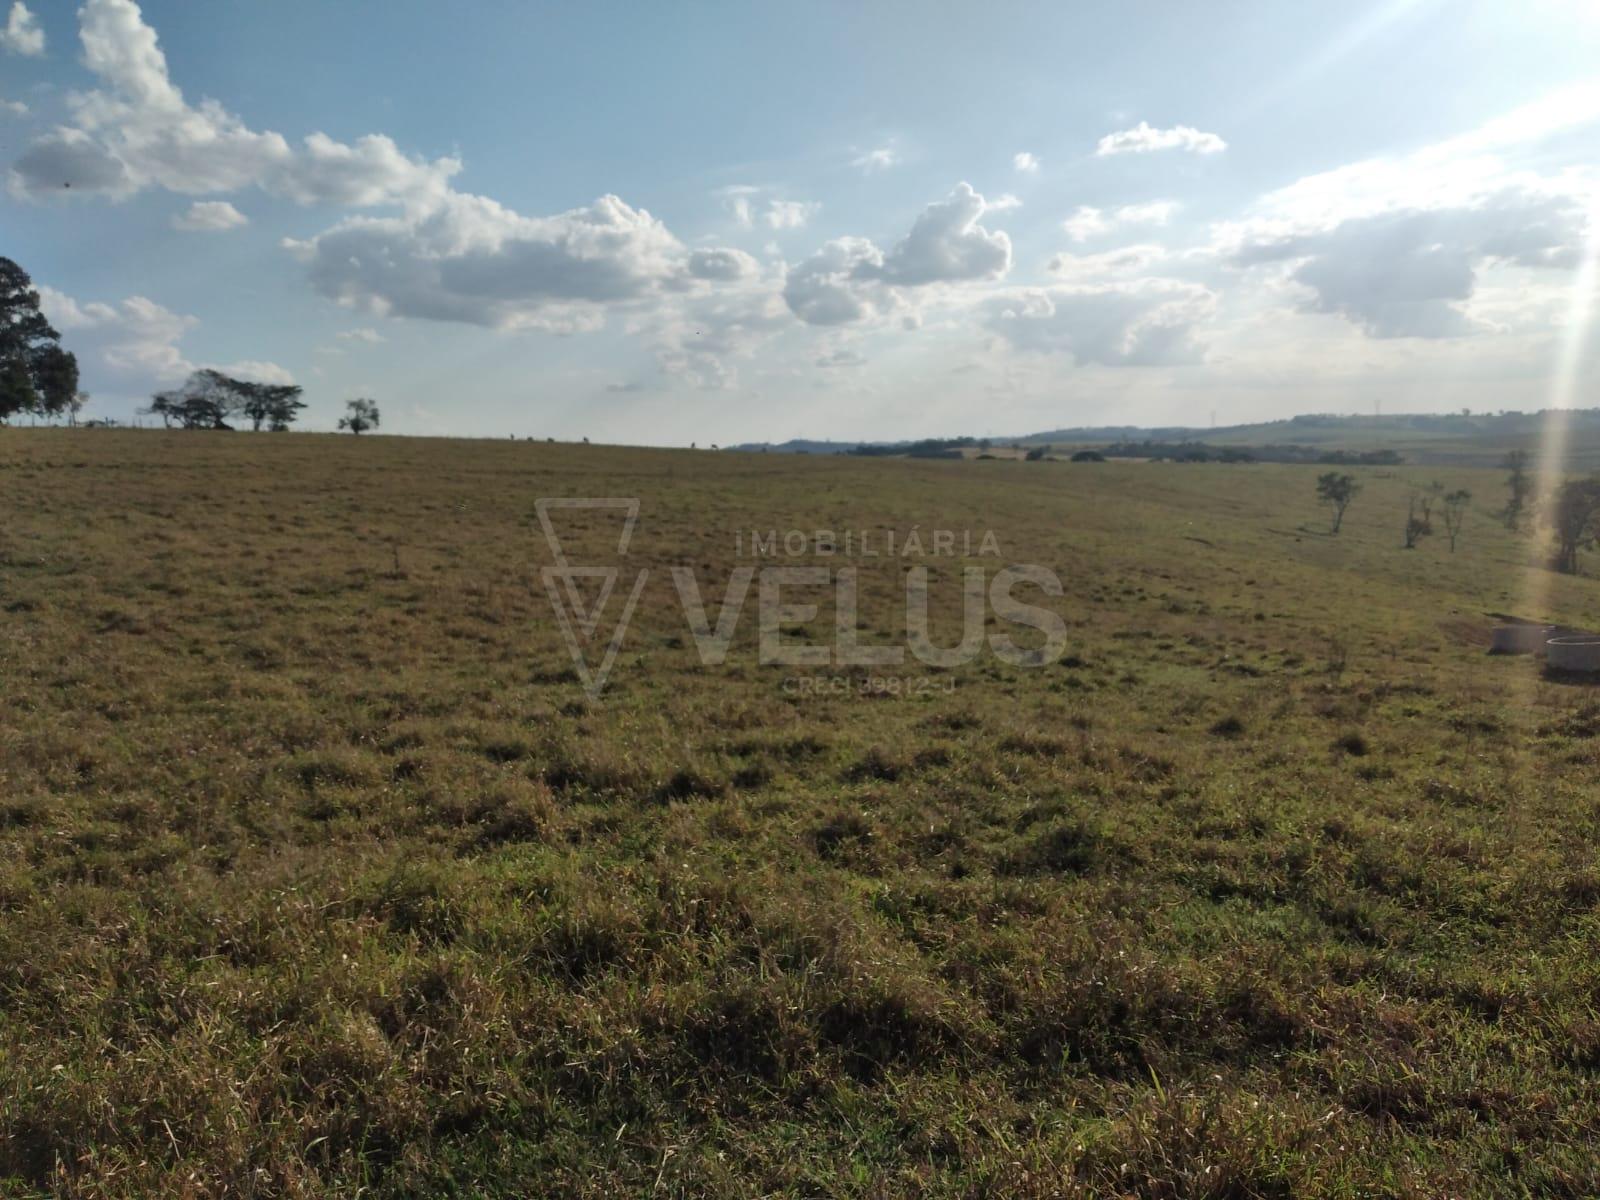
(718, 223)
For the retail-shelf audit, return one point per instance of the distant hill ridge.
(1459, 436)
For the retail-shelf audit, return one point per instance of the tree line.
(40, 379)
(209, 399)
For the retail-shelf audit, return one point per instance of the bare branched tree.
(1455, 512)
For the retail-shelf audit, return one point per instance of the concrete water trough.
(1577, 653)
(1520, 639)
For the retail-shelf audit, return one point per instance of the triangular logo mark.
(545, 505)
(580, 595)
(594, 679)
(587, 612)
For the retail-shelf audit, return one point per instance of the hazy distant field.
(320, 875)
(1431, 441)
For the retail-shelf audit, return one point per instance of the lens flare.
(1576, 332)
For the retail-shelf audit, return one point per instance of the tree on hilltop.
(205, 401)
(360, 416)
(208, 398)
(275, 405)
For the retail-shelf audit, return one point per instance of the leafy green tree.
(1575, 517)
(205, 401)
(275, 405)
(16, 389)
(189, 410)
(1337, 490)
(208, 398)
(36, 374)
(55, 378)
(167, 406)
(360, 416)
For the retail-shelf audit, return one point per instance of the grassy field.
(321, 875)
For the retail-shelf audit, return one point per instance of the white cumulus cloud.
(1400, 245)
(834, 286)
(1027, 163)
(1409, 273)
(134, 342)
(130, 349)
(722, 263)
(469, 259)
(443, 255)
(138, 131)
(851, 279)
(209, 216)
(947, 245)
(1144, 139)
(21, 33)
